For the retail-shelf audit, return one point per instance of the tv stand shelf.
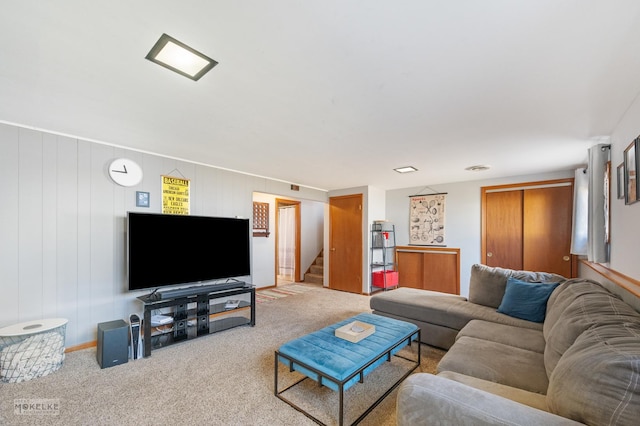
(195, 315)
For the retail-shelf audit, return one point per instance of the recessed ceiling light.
(178, 57)
(479, 168)
(406, 169)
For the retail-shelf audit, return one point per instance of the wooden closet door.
(503, 229)
(548, 213)
(528, 226)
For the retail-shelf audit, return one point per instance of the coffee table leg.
(341, 414)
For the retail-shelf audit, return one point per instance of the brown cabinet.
(528, 226)
(429, 268)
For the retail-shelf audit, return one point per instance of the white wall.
(311, 240)
(625, 219)
(62, 224)
(462, 216)
(264, 249)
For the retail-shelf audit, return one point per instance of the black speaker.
(113, 343)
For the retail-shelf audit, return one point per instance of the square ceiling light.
(406, 169)
(178, 57)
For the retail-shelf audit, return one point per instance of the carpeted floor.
(226, 378)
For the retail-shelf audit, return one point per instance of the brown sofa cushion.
(487, 284)
(597, 380)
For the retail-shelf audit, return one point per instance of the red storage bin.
(377, 279)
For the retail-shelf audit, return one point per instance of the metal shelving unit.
(384, 275)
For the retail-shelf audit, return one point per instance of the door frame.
(282, 202)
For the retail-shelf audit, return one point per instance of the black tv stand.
(202, 289)
(197, 313)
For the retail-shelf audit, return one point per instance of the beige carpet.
(222, 379)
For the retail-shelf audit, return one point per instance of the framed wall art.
(426, 219)
(620, 181)
(631, 189)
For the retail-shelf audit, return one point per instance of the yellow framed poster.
(175, 195)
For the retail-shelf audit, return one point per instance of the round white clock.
(125, 172)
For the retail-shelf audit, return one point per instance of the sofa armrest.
(425, 399)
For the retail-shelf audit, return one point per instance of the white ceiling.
(331, 93)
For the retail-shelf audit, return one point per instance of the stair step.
(313, 279)
(317, 269)
(319, 260)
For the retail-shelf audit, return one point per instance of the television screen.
(165, 250)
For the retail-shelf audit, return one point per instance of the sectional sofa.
(525, 348)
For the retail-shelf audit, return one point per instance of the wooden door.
(548, 214)
(528, 226)
(345, 243)
(504, 229)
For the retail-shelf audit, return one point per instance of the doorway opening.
(287, 256)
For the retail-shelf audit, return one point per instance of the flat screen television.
(165, 250)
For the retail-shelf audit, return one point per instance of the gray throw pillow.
(487, 284)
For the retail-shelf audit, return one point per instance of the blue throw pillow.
(525, 300)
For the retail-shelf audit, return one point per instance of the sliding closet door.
(503, 229)
(528, 226)
(547, 231)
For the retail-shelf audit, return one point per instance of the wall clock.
(125, 172)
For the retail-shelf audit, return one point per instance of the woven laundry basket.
(31, 349)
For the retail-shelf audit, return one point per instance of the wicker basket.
(31, 350)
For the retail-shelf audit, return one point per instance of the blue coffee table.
(339, 364)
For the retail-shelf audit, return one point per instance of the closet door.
(503, 229)
(547, 229)
(528, 226)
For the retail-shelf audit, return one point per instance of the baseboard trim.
(82, 346)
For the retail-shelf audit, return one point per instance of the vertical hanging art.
(426, 219)
(260, 219)
(175, 195)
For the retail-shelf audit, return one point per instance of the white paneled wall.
(62, 224)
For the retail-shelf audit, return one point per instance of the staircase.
(315, 273)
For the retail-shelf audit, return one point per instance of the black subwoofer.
(113, 343)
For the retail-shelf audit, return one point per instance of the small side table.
(31, 349)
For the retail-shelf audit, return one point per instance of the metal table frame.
(409, 338)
